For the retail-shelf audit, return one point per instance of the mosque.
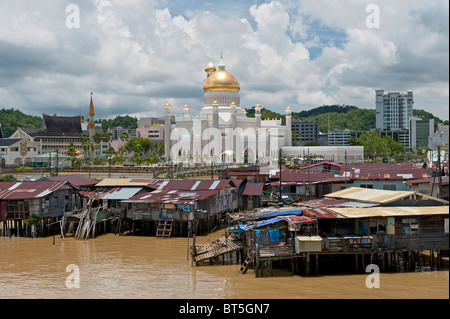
(222, 132)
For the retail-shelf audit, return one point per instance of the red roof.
(173, 196)
(27, 190)
(75, 180)
(386, 171)
(253, 189)
(321, 213)
(321, 163)
(191, 185)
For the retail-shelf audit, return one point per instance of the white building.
(17, 151)
(222, 132)
(439, 138)
(393, 110)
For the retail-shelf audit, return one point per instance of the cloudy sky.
(137, 55)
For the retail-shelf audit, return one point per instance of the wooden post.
(389, 260)
(419, 260)
(432, 259)
(396, 261)
(307, 263)
(356, 263)
(317, 264)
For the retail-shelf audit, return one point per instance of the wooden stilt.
(307, 263)
(317, 264)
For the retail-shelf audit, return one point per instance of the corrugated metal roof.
(75, 180)
(371, 195)
(119, 193)
(172, 196)
(124, 182)
(322, 213)
(253, 189)
(189, 184)
(391, 211)
(27, 190)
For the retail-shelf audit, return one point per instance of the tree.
(374, 145)
(72, 152)
(86, 143)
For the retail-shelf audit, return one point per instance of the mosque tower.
(221, 86)
(91, 124)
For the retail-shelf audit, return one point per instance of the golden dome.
(288, 108)
(210, 68)
(167, 105)
(221, 81)
(185, 106)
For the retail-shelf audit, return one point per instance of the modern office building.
(393, 110)
(304, 131)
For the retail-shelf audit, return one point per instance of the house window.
(366, 186)
(389, 187)
(410, 226)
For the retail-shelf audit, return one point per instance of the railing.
(384, 242)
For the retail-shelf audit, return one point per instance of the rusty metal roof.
(253, 189)
(123, 182)
(193, 185)
(75, 180)
(28, 190)
(391, 211)
(173, 196)
(371, 195)
(120, 193)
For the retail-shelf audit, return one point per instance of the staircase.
(246, 264)
(164, 228)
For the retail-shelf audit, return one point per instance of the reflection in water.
(145, 267)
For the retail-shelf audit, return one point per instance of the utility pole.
(439, 171)
(345, 169)
(279, 163)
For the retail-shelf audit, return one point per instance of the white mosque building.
(222, 133)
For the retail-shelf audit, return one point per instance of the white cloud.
(138, 55)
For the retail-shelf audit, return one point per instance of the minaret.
(167, 132)
(215, 114)
(258, 115)
(210, 69)
(91, 124)
(288, 135)
(186, 112)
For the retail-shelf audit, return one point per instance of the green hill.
(11, 119)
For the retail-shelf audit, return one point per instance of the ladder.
(164, 228)
(246, 264)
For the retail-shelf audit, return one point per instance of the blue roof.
(260, 224)
(283, 213)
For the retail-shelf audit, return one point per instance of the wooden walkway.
(214, 249)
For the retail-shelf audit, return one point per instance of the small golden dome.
(288, 108)
(185, 106)
(167, 105)
(210, 67)
(257, 106)
(221, 81)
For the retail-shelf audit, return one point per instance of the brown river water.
(127, 267)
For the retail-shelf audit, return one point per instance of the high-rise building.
(393, 110)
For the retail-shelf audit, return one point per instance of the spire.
(91, 107)
(221, 65)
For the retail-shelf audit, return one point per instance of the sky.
(137, 55)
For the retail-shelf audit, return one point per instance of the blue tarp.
(284, 213)
(184, 207)
(260, 224)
